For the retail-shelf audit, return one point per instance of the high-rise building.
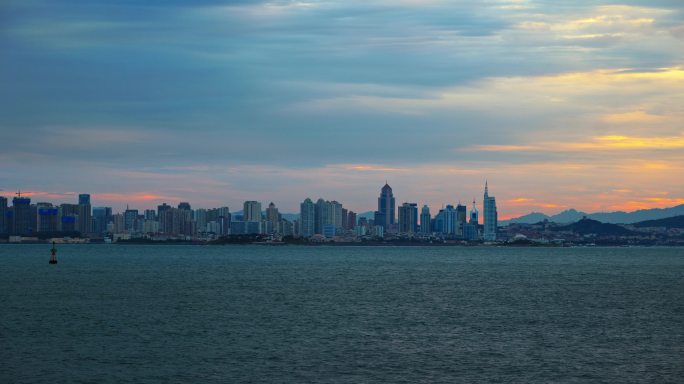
(162, 208)
(273, 217)
(384, 216)
(68, 217)
(200, 218)
(21, 219)
(490, 216)
(184, 205)
(175, 222)
(307, 218)
(251, 211)
(101, 217)
(130, 220)
(84, 199)
(3, 215)
(224, 219)
(474, 214)
(425, 220)
(335, 214)
(48, 218)
(351, 220)
(408, 218)
(461, 219)
(85, 215)
(446, 221)
(345, 218)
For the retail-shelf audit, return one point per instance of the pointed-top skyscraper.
(384, 216)
(490, 215)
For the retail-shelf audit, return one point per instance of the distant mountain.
(588, 226)
(670, 222)
(619, 217)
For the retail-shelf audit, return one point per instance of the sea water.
(333, 314)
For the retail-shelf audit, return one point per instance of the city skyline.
(324, 220)
(560, 104)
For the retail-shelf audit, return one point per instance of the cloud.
(223, 101)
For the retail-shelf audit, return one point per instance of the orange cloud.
(631, 117)
(608, 142)
(520, 200)
(370, 168)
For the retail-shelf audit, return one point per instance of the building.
(84, 199)
(461, 219)
(245, 227)
(68, 214)
(322, 213)
(474, 213)
(425, 220)
(48, 218)
(408, 218)
(335, 215)
(162, 208)
(329, 230)
(150, 214)
(307, 218)
(351, 220)
(21, 216)
(101, 217)
(251, 211)
(175, 222)
(184, 205)
(85, 214)
(490, 216)
(130, 220)
(273, 217)
(384, 216)
(3, 215)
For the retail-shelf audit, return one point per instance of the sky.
(557, 104)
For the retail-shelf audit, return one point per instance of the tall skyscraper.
(130, 220)
(335, 214)
(408, 218)
(184, 205)
(322, 215)
(461, 219)
(85, 214)
(84, 198)
(490, 215)
(3, 215)
(351, 220)
(48, 218)
(384, 216)
(425, 220)
(224, 219)
(474, 214)
(21, 220)
(251, 211)
(272, 215)
(450, 220)
(307, 218)
(162, 208)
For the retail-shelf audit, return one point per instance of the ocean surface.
(257, 314)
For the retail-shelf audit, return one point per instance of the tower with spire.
(490, 215)
(474, 214)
